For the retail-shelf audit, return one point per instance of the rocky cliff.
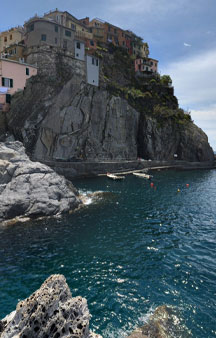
(60, 117)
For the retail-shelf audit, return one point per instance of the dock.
(144, 170)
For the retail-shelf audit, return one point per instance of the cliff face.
(60, 117)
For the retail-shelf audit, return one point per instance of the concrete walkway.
(73, 170)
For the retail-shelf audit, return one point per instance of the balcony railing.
(83, 35)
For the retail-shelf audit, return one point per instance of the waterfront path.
(73, 170)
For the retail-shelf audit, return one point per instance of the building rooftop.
(20, 63)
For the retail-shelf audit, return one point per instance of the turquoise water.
(133, 249)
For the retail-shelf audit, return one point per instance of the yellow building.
(14, 52)
(144, 50)
(11, 37)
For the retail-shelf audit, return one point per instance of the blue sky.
(181, 34)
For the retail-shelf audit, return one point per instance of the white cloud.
(194, 80)
(206, 119)
(187, 44)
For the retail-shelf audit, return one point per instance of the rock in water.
(31, 189)
(164, 323)
(49, 312)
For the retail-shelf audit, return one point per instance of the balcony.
(83, 35)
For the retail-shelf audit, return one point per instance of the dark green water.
(132, 250)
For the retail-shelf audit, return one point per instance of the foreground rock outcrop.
(49, 312)
(52, 312)
(31, 189)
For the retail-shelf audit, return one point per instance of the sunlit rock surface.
(50, 312)
(31, 189)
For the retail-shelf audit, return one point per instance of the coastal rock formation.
(80, 122)
(162, 141)
(49, 312)
(162, 324)
(31, 189)
(59, 117)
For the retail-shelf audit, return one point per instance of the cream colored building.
(11, 37)
(68, 20)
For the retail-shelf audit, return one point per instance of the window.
(122, 34)
(116, 41)
(91, 42)
(78, 45)
(123, 43)
(65, 44)
(68, 33)
(93, 61)
(7, 82)
(56, 28)
(56, 41)
(73, 26)
(27, 71)
(31, 27)
(5, 39)
(43, 37)
(109, 28)
(8, 98)
(11, 37)
(115, 31)
(97, 62)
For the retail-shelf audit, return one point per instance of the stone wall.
(3, 126)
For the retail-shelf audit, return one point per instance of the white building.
(92, 70)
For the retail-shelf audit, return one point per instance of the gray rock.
(163, 323)
(161, 141)
(31, 189)
(49, 312)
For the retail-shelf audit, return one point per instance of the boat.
(148, 177)
(115, 177)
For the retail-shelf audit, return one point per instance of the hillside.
(60, 117)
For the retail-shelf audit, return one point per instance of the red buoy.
(151, 184)
(187, 185)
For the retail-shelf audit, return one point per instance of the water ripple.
(128, 251)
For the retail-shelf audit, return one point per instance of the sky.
(181, 34)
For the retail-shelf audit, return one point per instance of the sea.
(134, 246)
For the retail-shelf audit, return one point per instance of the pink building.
(146, 65)
(13, 76)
